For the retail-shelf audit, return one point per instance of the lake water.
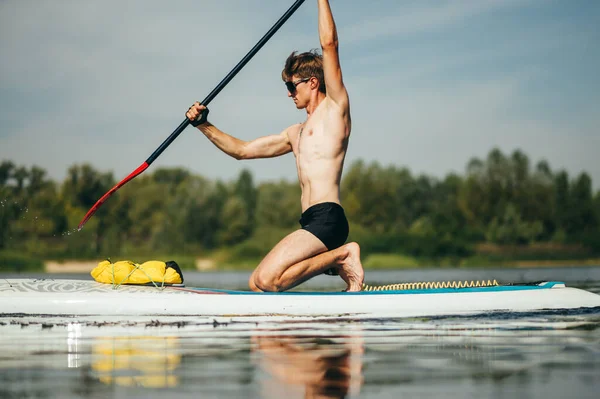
(506, 355)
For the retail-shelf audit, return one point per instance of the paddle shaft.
(227, 79)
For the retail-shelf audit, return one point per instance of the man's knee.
(252, 284)
(264, 281)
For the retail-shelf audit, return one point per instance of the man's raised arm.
(331, 60)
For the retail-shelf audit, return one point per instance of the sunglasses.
(291, 86)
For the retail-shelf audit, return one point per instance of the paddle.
(186, 121)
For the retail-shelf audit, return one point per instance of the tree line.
(500, 201)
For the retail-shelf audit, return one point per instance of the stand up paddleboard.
(77, 297)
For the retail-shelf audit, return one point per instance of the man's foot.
(351, 270)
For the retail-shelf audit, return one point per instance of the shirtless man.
(319, 144)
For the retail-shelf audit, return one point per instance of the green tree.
(235, 220)
(562, 201)
(247, 192)
(512, 229)
(81, 189)
(6, 171)
(540, 200)
(171, 176)
(278, 205)
(203, 213)
(446, 212)
(384, 199)
(20, 175)
(581, 215)
(498, 184)
(472, 197)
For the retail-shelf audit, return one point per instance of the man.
(315, 84)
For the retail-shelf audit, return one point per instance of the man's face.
(299, 90)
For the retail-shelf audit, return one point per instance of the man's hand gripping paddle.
(187, 122)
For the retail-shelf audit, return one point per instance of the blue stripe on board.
(499, 288)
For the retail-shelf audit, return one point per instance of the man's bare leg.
(301, 256)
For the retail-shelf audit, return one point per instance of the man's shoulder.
(295, 127)
(292, 129)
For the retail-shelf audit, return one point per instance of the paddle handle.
(227, 78)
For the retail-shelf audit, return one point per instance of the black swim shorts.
(327, 221)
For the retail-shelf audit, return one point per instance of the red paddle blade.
(94, 208)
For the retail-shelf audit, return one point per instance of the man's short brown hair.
(305, 65)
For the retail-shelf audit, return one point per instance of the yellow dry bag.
(128, 272)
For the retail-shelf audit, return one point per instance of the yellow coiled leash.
(430, 285)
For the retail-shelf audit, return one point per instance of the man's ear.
(314, 83)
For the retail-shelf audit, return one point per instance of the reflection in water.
(73, 338)
(309, 367)
(540, 355)
(149, 362)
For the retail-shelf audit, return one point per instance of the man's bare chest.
(308, 139)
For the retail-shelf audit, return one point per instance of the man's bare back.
(315, 84)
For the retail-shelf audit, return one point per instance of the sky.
(432, 84)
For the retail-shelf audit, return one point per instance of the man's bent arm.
(262, 147)
(331, 60)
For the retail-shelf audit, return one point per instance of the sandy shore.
(555, 263)
(70, 266)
